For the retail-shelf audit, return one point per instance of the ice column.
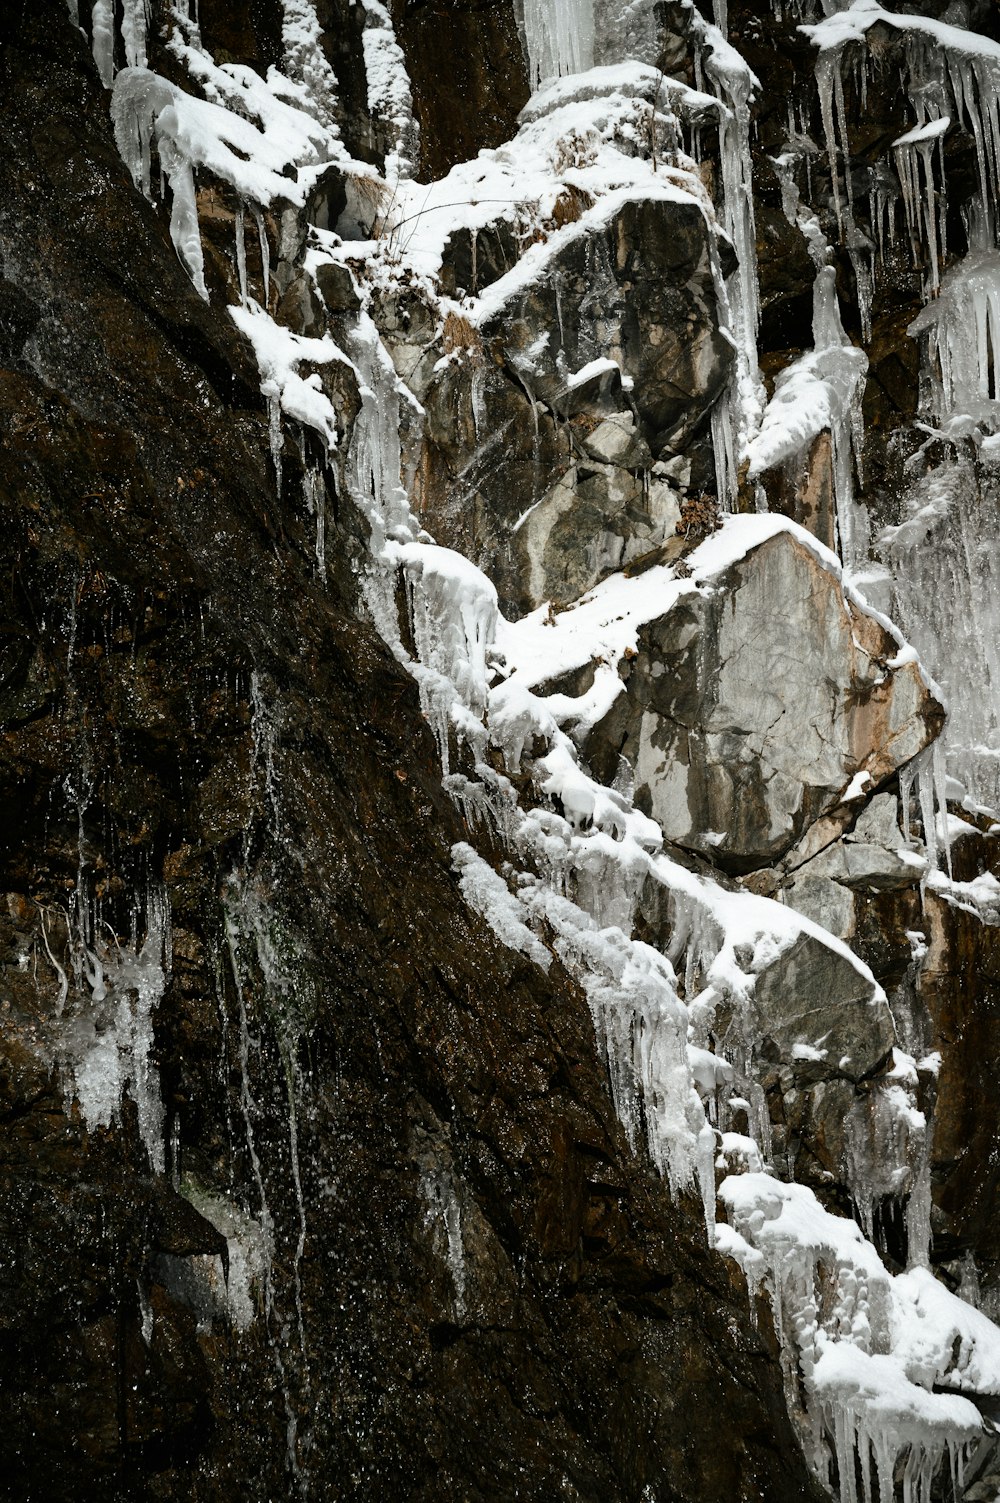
(738, 417)
(559, 35)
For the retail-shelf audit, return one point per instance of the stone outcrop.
(752, 707)
(537, 460)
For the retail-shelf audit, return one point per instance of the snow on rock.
(306, 61)
(942, 1339)
(711, 668)
(389, 97)
(591, 133)
(218, 136)
(861, 1349)
(678, 1025)
(279, 352)
(487, 892)
(243, 132)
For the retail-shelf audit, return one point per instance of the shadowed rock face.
(188, 715)
(469, 76)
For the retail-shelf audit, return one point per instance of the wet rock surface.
(351, 1066)
(537, 461)
(309, 1186)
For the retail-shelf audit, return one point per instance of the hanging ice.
(926, 218)
(737, 416)
(821, 391)
(103, 33)
(105, 1045)
(560, 37)
(945, 562)
(962, 333)
(861, 1350)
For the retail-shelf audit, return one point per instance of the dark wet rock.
(190, 715)
(469, 75)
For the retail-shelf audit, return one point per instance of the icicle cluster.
(855, 1345)
(104, 1045)
(735, 419)
(559, 35)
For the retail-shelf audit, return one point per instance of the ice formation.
(389, 96)
(234, 1290)
(939, 555)
(103, 1043)
(962, 332)
(278, 353)
(737, 418)
(821, 391)
(443, 1218)
(559, 37)
(863, 1349)
(946, 595)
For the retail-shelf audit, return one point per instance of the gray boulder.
(752, 707)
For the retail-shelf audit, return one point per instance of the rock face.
(469, 77)
(751, 709)
(537, 462)
(333, 1166)
(191, 718)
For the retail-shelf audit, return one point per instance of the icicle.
(726, 478)
(827, 68)
(272, 395)
(905, 790)
(103, 45)
(250, 1111)
(737, 415)
(389, 97)
(184, 228)
(265, 257)
(706, 1177)
(925, 798)
(241, 252)
(914, 154)
(940, 782)
(59, 969)
(135, 25)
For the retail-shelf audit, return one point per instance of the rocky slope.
(499, 943)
